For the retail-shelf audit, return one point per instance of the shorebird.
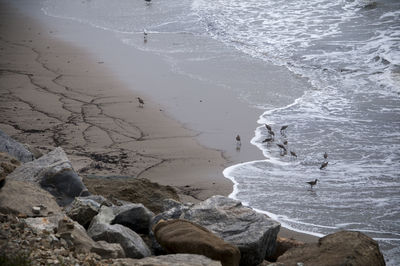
(141, 102)
(325, 155)
(268, 140)
(281, 146)
(283, 128)
(312, 183)
(268, 127)
(238, 141)
(145, 34)
(285, 142)
(271, 132)
(323, 165)
(293, 154)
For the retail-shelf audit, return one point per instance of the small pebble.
(36, 210)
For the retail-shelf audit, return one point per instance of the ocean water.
(349, 54)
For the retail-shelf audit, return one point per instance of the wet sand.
(54, 93)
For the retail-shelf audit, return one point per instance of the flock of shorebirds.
(283, 147)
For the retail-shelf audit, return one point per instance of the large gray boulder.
(105, 216)
(76, 236)
(131, 242)
(101, 229)
(171, 203)
(173, 210)
(54, 173)
(253, 233)
(341, 248)
(14, 148)
(169, 260)
(134, 216)
(17, 197)
(83, 209)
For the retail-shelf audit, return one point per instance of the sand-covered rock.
(14, 148)
(18, 197)
(253, 233)
(134, 216)
(54, 173)
(181, 236)
(138, 190)
(169, 260)
(341, 248)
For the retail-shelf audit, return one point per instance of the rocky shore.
(50, 217)
(90, 177)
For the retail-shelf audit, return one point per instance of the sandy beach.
(54, 93)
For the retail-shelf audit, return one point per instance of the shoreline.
(150, 138)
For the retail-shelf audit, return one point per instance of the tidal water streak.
(349, 52)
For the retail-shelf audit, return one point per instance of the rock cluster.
(253, 233)
(48, 217)
(20, 242)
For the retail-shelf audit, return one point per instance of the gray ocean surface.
(349, 53)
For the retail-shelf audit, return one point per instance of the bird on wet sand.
(283, 128)
(238, 141)
(325, 155)
(285, 142)
(323, 165)
(312, 183)
(268, 127)
(141, 102)
(293, 154)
